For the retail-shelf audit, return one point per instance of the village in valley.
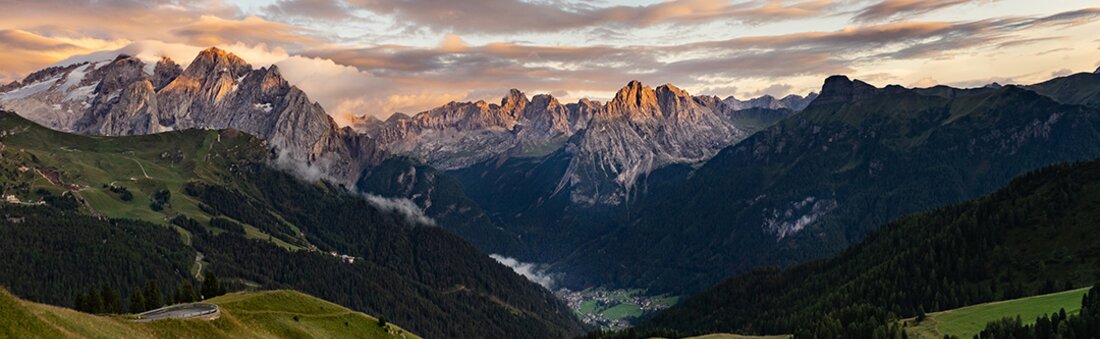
(613, 309)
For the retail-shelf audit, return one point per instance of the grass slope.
(243, 315)
(967, 321)
(88, 165)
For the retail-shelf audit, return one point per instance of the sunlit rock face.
(457, 135)
(610, 145)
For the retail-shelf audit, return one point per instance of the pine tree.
(111, 303)
(81, 302)
(152, 296)
(94, 301)
(137, 301)
(211, 287)
(186, 293)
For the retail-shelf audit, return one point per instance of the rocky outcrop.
(839, 89)
(218, 90)
(641, 129)
(165, 72)
(10, 86)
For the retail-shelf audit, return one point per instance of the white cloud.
(533, 272)
(405, 207)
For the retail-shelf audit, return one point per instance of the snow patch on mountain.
(29, 90)
(81, 93)
(74, 77)
(797, 216)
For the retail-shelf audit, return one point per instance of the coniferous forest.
(1037, 235)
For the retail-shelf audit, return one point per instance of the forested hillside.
(818, 182)
(1037, 235)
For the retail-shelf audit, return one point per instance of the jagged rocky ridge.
(610, 145)
(218, 90)
(792, 102)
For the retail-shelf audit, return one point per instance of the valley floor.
(613, 309)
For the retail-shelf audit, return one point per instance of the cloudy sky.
(376, 57)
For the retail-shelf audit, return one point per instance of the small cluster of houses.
(12, 199)
(606, 299)
(343, 257)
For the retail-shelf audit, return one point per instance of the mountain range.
(810, 185)
(641, 129)
(654, 189)
(610, 145)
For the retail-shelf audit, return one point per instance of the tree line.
(106, 299)
(1059, 325)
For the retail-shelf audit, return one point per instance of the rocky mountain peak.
(217, 61)
(272, 79)
(544, 100)
(121, 72)
(674, 101)
(544, 105)
(840, 89)
(164, 72)
(514, 96)
(668, 92)
(513, 104)
(635, 101)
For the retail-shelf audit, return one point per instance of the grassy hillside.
(242, 315)
(38, 161)
(967, 321)
(1080, 88)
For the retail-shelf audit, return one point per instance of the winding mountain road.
(182, 311)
